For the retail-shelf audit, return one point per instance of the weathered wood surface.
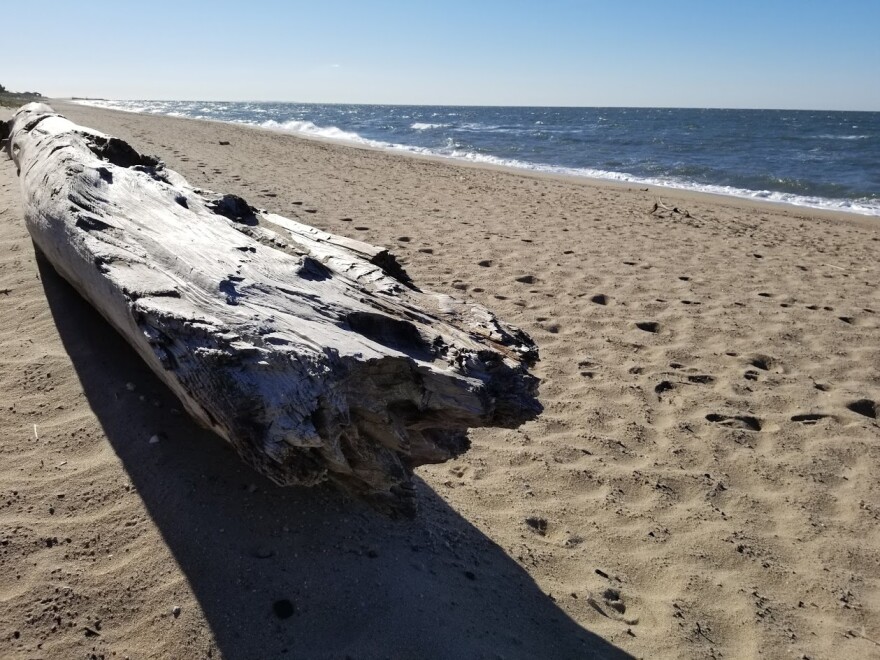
(314, 355)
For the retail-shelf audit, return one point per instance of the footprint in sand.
(537, 524)
(662, 387)
(744, 422)
(762, 362)
(614, 601)
(610, 604)
(864, 407)
(586, 368)
(648, 326)
(808, 419)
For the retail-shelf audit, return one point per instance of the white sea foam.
(476, 126)
(419, 126)
(454, 151)
(843, 137)
(860, 206)
(308, 128)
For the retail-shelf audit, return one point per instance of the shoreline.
(702, 481)
(590, 180)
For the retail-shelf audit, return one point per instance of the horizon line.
(464, 105)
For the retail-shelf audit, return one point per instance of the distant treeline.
(3, 90)
(16, 98)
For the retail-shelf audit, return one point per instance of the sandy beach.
(702, 482)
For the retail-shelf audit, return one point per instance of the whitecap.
(309, 128)
(419, 126)
(843, 137)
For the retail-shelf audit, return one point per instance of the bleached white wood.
(312, 354)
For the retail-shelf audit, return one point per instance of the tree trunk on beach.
(314, 355)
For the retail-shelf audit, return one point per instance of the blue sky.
(681, 53)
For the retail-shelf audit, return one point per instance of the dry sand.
(699, 487)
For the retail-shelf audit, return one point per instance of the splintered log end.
(314, 355)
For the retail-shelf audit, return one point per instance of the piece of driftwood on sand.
(314, 355)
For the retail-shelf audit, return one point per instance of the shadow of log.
(358, 584)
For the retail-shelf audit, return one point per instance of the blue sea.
(820, 159)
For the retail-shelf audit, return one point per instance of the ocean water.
(818, 159)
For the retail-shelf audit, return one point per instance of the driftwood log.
(314, 355)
